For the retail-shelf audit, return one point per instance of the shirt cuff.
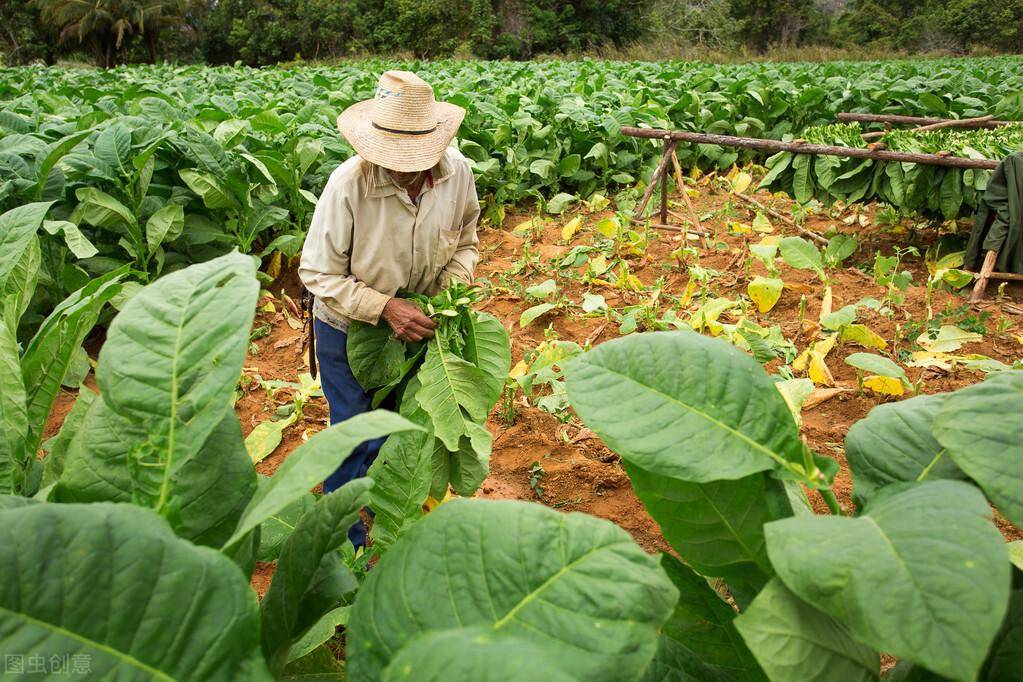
(370, 305)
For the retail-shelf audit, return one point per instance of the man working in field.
(400, 215)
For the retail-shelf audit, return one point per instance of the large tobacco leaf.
(981, 429)
(402, 477)
(450, 393)
(297, 598)
(113, 583)
(699, 641)
(685, 406)
(794, 641)
(893, 444)
(576, 588)
(716, 527)
(922, 574)
(171, 361)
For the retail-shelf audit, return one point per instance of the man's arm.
(326, 257)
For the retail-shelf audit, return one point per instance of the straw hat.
(402, 128)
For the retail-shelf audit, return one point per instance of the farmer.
(401, 214)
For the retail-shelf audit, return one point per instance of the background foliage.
(258, 32)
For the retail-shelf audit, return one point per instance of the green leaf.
(171, 361)
(716, 527)
(450, 393)
(164, 226)
(840, 247)
(643, 395)
(1002, 664)
(535, 312)
(922, 574)
(55, 152)
(20, 285)
(276, 529)
(374, 354)
(17, 231)
(56, 447)
(840, 318)
(569, 165)
(77, 243)
(295, 602)
(542, 291)
(113, 147)
(794, 641)
(13, 414)
(102, 210)
(982, 433)
(319, 633)
(113, 583)
(464, 468)
(700, 641)
(802, 181)
(319, 666)
(473, 653)
(487, 346)
(214, 193)
(402, 476)
(265, 436)
(802, 255)
(576, 587)
(212, 488)
(313, 461)
(893, 444)
(876, 364)
(561, 201)
(49, 353)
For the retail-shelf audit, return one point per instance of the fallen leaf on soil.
(284, 343)
(884, 385)
(821, 395)
(949, 338)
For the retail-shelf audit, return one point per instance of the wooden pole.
(669, 146)
(664, 192)
(950, 123)
(804, 148)
(982, 279)
(849, 117)
(693, 215)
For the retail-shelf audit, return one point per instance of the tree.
(104, 27)
(774, 22)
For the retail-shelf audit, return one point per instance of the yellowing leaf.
(863, 335)
(762, 224)
(741, 182)
(739, 228)
(524, 228)
(819, 373)
(274, 268)
(598, 202)
(765, 292)
(884, 385)
(826, 303)
(571, 228)
(687, 296)
(607, 227)
(949, 338)
(519, 370)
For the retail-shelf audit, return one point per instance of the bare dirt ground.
(579, 473)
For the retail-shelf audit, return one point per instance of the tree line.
(258, 32)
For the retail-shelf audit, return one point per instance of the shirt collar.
(381, 184)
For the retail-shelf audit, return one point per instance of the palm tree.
(103, 26)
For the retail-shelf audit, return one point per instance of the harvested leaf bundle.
(909, 187)
(448, 384)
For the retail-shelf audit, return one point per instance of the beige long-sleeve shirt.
(368, 239)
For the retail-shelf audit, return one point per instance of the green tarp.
(999, 225)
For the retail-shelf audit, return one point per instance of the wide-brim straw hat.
(403, 128)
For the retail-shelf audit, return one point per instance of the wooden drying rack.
(876, 152)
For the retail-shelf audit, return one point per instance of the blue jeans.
(346, 399)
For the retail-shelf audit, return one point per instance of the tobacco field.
(782, 447)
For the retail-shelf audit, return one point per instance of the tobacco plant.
(918, 570)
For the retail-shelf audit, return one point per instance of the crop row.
(158, 167)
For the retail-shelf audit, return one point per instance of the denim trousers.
(346, 399)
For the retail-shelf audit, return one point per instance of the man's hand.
(408, 320)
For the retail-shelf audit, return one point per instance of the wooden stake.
(669, 146)
(693, 215)
(982, 279)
